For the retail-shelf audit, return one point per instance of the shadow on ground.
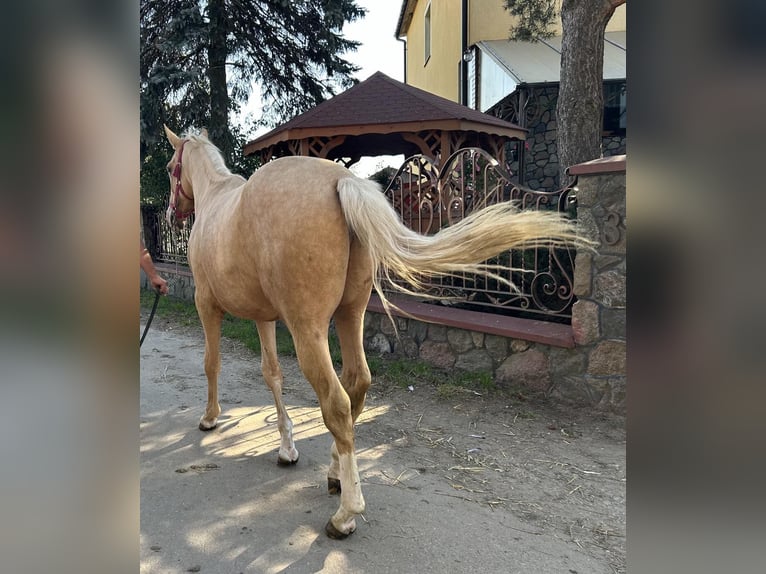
(462, 485)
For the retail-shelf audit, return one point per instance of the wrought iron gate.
(428, 198)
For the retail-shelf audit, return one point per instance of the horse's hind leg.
(211, 316)
(355, 375)
(316, 364)
(272, 374)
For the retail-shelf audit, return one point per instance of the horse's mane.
(217, 164)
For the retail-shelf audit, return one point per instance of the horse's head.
(181, 203)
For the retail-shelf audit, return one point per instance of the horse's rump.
(294, 233)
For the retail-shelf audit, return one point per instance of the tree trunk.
(218, 130)
(580, 108)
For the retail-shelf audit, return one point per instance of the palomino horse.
(303, 241)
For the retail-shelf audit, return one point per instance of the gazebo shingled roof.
(381, 116)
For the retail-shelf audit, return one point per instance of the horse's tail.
(397, 251)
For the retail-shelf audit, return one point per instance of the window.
(615, 107)
(427, 33)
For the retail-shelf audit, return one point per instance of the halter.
(180, 216)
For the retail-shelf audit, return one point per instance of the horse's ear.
(203, 132)
(174, 140)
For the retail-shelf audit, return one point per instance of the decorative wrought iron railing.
(173, 242)
(429, 197)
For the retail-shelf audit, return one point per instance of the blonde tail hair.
(397, 251)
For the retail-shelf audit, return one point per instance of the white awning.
(540, 62)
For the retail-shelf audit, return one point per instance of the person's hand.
(160, 284)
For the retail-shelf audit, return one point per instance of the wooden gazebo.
(381, 116)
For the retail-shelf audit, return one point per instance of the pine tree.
(201, 58)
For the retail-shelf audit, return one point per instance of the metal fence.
(428, 197)
(166, 243)
(173, 244)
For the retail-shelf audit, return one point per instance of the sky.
(379, 51)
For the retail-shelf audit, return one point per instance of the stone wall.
(599, 314)
(613, 145)
(511, 362)
(593, 371)
(179, 278)
(541, 165)
(541, 161)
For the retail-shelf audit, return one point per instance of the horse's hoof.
(205, 428)
(333, 485)
(286, 461)
(334, 533)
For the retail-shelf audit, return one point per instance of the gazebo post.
(446, 149)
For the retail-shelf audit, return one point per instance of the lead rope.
(151, 316)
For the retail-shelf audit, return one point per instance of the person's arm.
(151, 272)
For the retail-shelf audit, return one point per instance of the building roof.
(540, 62)
(405, 17)
(382, 105)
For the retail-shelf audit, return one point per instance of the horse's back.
(298, 179)
(295, 199)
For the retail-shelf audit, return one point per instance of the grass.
(460, 383)
(400, 372)
(172, 307)
(244, 331)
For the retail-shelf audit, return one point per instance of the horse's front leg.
(211, 317)
(272, 374)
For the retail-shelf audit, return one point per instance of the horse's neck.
(210, 179)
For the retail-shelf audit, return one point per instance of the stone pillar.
(599, 314)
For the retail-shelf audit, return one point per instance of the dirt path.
(468, 483)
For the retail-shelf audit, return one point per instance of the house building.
(459, 49)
